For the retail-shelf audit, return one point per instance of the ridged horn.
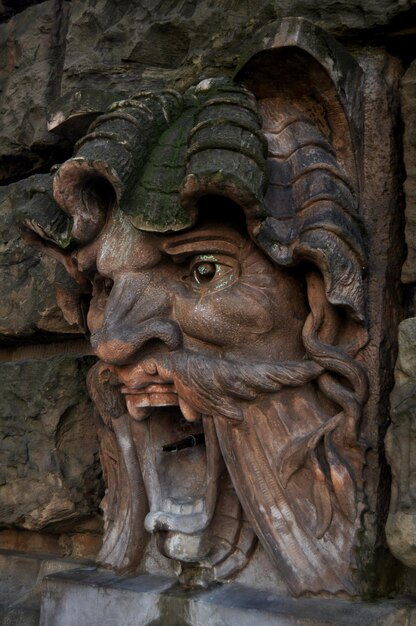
(109, 158)
(308, 95)
(226, 151)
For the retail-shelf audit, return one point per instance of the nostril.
(121, 344)
(102, 286)
(107, 285)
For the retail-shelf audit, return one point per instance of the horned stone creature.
(216, 244)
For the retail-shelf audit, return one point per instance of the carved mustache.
(215, 387)
(223, 387)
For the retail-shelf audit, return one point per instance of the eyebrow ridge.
(177, 247)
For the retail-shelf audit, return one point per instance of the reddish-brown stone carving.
(219, 237)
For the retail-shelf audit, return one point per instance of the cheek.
(231, 317)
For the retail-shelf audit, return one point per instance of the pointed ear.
(332, 326)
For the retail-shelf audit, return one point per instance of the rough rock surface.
(28, 304)
(409, 146)
(30, 62)
(54, 47)
(145, 44)
(381, 215)
(50, 471)
(400, 443)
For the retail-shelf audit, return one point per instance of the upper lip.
(140, 376)
(157, 386)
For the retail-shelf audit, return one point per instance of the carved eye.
(204, 272)
(213, 272)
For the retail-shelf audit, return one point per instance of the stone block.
(82, 541)
(72, 113)
(99, 598)
(21, 578)
(50, 471)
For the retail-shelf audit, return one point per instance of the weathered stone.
(83, 540)
(50, 472)
(380, 207)
(21, 578)
(27, 352)
(131, 47)
(408, 93)
(27, 279)
(30, 63)
(99, 598)
(73, 112)
(400, 443)
(8, 8)
(140, 45)
(406, 361)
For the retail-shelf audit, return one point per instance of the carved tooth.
(142, 400)
(198, 506)
(176, 508)
(137, 412)
(167, 505)
(163, 399)
(189, 413)
(186, 509)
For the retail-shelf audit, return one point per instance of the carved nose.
(122, 345)
(138, 311)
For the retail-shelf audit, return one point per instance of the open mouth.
(193, 509)
(179, 457)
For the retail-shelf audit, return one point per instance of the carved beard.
(250, 417)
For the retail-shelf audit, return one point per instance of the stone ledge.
(99, 598)
(21, 575)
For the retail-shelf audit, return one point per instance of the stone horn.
(308, 92)
(109, 157)
(227, 130)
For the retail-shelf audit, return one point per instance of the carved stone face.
(206, 298)
(220, 239)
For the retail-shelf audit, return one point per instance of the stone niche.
(231, 251)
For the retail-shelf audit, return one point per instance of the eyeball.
(204, 272)
(212, 272)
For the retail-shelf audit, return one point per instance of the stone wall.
(61, 64)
